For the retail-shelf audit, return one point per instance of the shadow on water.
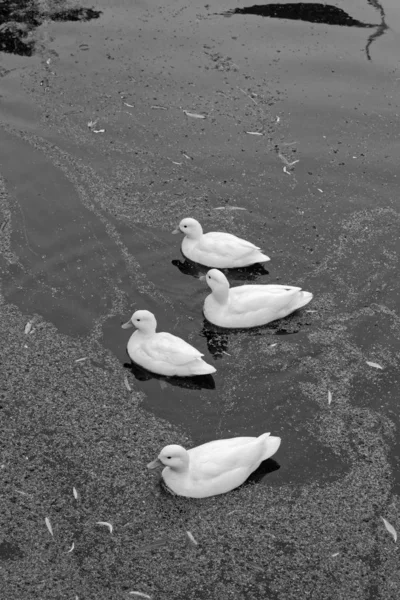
(313, 12)
(267, 466)
(303, 11)
(19, 19)
(381, 28)
(198, 382)
(251, 273)
(218, 337)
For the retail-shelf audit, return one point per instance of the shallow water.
(92, 214)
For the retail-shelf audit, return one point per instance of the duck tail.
(261, 258)
(302, 298)
(200, 367)
(271, 444)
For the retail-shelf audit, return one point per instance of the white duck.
(217, 249)
(249, 305)
(162, 353)
(213, 468)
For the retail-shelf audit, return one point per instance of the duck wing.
(170, 348)
(215, 458)
(247, 298)
(225, 244)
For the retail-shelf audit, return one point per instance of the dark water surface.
(91, 213)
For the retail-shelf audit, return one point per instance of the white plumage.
(162, 353)
(217, 249)
(213, 468)
(249, 305)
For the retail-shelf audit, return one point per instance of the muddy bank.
(99, 161)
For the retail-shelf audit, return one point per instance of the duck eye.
(185, 225)
(137, 319)
(169, 457)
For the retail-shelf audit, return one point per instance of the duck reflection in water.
(250, 273)
(197, 382)
(218, 337)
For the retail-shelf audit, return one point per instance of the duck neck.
(196, 233)
(145, 332)
(221, 295)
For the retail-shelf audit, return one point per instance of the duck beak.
(155, 463)
(127, 325)
(175, 231)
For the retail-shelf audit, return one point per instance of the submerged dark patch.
(10, 551)
(311, 12)
(19, 19)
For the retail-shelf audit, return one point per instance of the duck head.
(172, 456)
(218, 283)
(143, 320)
(190, 227)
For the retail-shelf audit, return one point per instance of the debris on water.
(72, 547)
(23, 493)
(272, 345)
(126, 382)
(130, 105)
(278, 119)
(319, 189)
(329, 397)
(48, 61)
(286, 171)
(254, 133)
(187, 156)
(92, 124)
(28, 327)
(155, 107)
(285, 160)
(81, 359)
(140, 594)
(374, 364)
(191, 538)
(176, 163)
(106, 524)
(193, 115)
(310, 311)
(163, 384)
(227, 353)
(390, 529)
(248, 95)
(229, 208)
(48, 525)
(75, 493)
(3, 225)
(336, 554)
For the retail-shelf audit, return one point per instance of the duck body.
(249, 305)
(217, 249)
(215, 467)
(163, 353)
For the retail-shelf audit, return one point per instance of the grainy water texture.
(102, 153)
